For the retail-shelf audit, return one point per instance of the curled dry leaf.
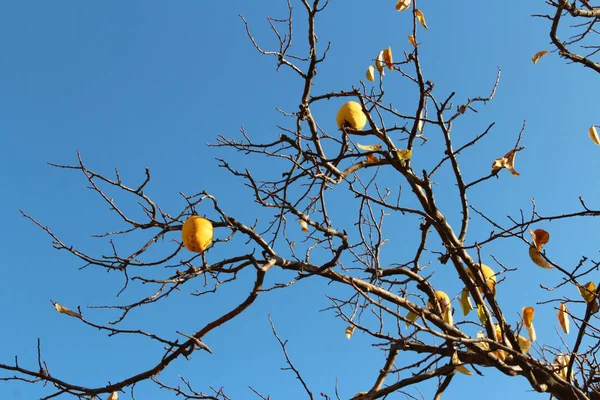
(594, 135)
(369, 147)
(304, 225)
(350, 331)
(404, 155)
(411, 39)
(465, 302)
(420, 122)
(371, 158)
(65, 310)
(458, 365)
(113, 396)
(371, 73)
(380, 63)
(421, 18)
(387, 57)
(538, 55)
(538, 258)
(588, 292)
(462, 109)
(540, 237)
(508, 162)
(563, 318)
(482, 345)
(402, 5)
(528, 313)
(561, 361)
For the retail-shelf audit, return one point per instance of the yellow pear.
(351, 114)
(197, 234)
(488, 274)
(444, 302)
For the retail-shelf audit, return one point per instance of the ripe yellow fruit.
(444, 302)
(197, 234)
(488, 274)
(442, 298)
(351, 114)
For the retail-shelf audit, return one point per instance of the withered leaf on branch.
(540, 238)
(402, 5)
(563, 318)
(458, 365)
(588, 292)
(304, 225)
(411, 39)
(404, 155)
(465, 302)
(508, 162)
(528, 313)
(371, 73)
(421, 18)
(380, 63)
(350, 331)
(387, 57)
(371, 158)
(369, 147)
(65, 310)
(594, 135)
(538, 258)
(538, 55)
(113, 396)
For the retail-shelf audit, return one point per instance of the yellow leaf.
(411, 39)
(524, 344)
(481, 314)
(421, 18)
(371, 73)
(508, 162)
(538, 55)
(113, 396)
(588, 292)
(540, 237)
(538, 259)
(402, 5)
(563, 318)
(404, 155)
(594, 135)
(369, 147)
(458, 365)
(387, 57)
(65, 310)
(465, 302)
(411, 317)
(380, 63)
(304, 225)
(349, 331)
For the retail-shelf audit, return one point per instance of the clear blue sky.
(147, 84)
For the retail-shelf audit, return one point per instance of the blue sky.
(145, 84)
